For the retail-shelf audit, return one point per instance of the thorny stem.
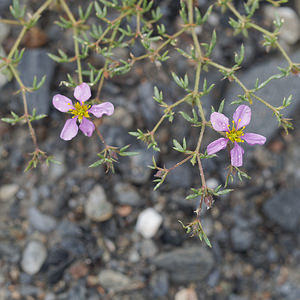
(26, 115)
(100, 136)
(196, 93)
(76, 32)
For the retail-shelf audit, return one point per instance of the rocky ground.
(72, 232)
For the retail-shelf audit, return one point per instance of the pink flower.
(241, 118)
(80, 111)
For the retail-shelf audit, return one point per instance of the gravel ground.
(73, 232)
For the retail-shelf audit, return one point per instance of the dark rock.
(284, 208)
(214, 278)
(172, 237)
(57, 256)
(274, 92)
(56, 273)
(186, 265)
(241, 238)
(126, 194)
(78, 292)
(180, 176)
(67, 228)
(35, 62)
(136, 167)
(159, 284)
(10, 252)
(4, 5)
(76, 246)
(149, 107)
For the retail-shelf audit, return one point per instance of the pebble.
(159, 284)
(4, 31)
(194, 263)
(110, 279)
(284, 208)
(241, 238)
(290, 30)
(186, 294)
(148, 248)
(97, 208)
(33, 258)
(148, 222)
(180, 176)
(8, 191)
(126, 194)
(41, 222)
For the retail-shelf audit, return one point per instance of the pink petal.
(242, 116)
(217, 145)
(98, 110)
(62, 103)
(254, 138)
(87, 127)
(236, 154)
(82, 92)
(70, 129)
(219, 122)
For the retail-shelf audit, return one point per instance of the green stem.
(76, 32)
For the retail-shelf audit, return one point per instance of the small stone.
(97, 208)
(242, 238)
(284, 208)
(8, 191)
(290, 30)
(148, 248)
(148, 222)
(194, 263)
(79, 270)
(186, 294)
(159, 284)
(179, 177)
(124, 210)
(110, 279)
(40, 221)
(33, 258)
(126, 194)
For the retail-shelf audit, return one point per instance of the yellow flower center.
(81, 110)
(235, 134)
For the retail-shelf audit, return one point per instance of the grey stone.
(33, 258)
(110, 279)
(97, 208)
(149, 107)
(35, 62)
(290, 30)
(67, 228)
(41, 222)
(284, 208)
(148, 248)
(263, 120)
(186, 265)
(159, 284)
(241, 238)
(136, 169)
(4, 5)
(180, 176)
(78, 292)
(126, 194)
(10, 252)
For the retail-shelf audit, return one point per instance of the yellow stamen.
(235, 134)
(81, 110)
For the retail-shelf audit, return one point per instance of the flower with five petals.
(241, 118)
(81, 112)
